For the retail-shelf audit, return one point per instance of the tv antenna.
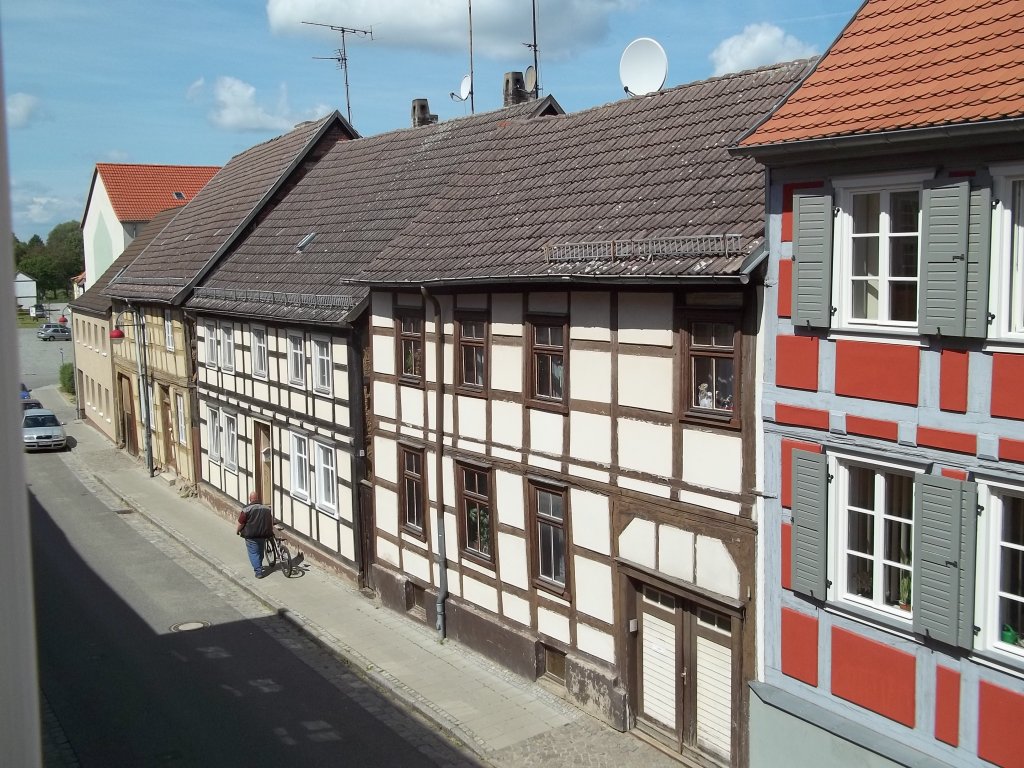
(341, 56)
(533, 73)
(466, 89)
(643, 67)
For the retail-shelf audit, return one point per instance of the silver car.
(41, 430)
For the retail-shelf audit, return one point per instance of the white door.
(659, 659)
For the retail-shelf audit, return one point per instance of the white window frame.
(213, 433)
(259, 352)
(299, 462)
(987, 585)
(838, 469)
(296, 360)
(179, 407)
(227, 347)
(168, 331)
(1007, 254)
(152, 409)
(325, 472)
(230, 448)
(323, 366)
(212, 345)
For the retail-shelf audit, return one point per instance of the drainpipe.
(442, 552)
(358, 422)
(140, 354)
(188, 324)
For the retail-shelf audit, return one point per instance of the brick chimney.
(515, 89)
(421, 113)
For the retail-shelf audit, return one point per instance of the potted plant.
(905, 591)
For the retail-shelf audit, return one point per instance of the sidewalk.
(504, 719)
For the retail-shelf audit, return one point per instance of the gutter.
(742, 278)
(442, 551)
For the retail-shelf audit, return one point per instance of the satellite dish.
(643, 67)
(466, 88)
(530, 79)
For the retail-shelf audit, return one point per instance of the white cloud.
(236, 109)
(35, 208)
(21, 108)
(756, 46)
(499, 28)
(196, 89)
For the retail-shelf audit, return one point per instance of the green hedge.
(67, 378)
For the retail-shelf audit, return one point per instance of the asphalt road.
(129, 682)
(39, 360)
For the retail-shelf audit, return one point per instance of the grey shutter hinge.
(835, 211)
(991, 317)
(995, 203)
(977, 629)
(828, 583)
(830, 478)
(833, 310)
(980, 509)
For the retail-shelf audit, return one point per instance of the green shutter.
(979, 249)
(812, 253)
(945, 513)
(943, 286)
(810, 523)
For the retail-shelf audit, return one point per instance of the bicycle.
(277, 551)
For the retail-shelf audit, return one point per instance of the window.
(547, 359)
(296, 360)
(410, 347)
(711, 358)
(411, 489)
(227, 335)
(1015, 209)
(151, 402)
(548, 508)
(300, 467)
(213, 433)
(179, 407)
(230, 448)
(1007, 279)
(476, 530)
(259, 353)
(212, 346)
(472, 359)
(1002, 627)
(326, 478)
(168, 331)
(323, 365)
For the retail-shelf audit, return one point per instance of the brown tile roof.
(639, 189)
(356, 199)
(138, 192)
(905, 64)
(220, 212)
(94, 301)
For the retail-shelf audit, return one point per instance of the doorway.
(263, 461)
(167, 428)
(128, 432)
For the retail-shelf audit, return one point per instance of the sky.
(195, 82)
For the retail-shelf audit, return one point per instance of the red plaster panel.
(801, 417)
(1011, 450)
(872, 371)
(955, 474)
(800, 646)
(1007, 374)
(947, 440)
(788, 446)
(787, 555)
(796, 362)
(947, 705)
(1000, 714)
(874, 676)
(785, 288)
(884, 430)
(786, 227)
(953, 380)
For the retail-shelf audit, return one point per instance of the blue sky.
(194, 82)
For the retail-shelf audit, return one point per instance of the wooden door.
(167, 429)
(263, 462)
(128, 431)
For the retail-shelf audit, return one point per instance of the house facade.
(25, 292)
(892, 539)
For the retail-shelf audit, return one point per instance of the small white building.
(24, 290)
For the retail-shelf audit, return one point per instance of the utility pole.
(341, 55)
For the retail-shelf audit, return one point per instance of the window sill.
(322, 391)
(711, 420)
(880, 335)
(554, 406)
(552, 588)
(329, 511)
(299, 496)
(476, 558)
(466, 391)
(409, 381)
(416, 533)
(1000, 660)
(903, 628)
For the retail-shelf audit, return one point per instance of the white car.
(42, 431)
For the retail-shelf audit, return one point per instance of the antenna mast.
(341, 55)
(472, 83)
(533, 47)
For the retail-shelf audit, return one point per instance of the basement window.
(554, 664)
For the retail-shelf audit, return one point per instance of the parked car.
(41, 430)
(53, 331)
(30, 403)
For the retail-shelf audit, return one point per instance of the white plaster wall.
(713, 459)
(516, 608)
(514, 569)
(590, 518)
(593, 582)
(550, 302)
(642, 486)
(384, 399)
(590, 375)
(675, 552)
(645, 447)
(385, 459)
(553, 624)
(509, 496)
(412, 405)
(387, 552)
(481, 594)
(449, 413)
(472, 417)
(385, 510)
(416, 565)
(637, 543)
(596, 643)
(507, 314)
(507, 423)
(590, 316)
(506, 368)
(382, 315)
(546, 432)
(646, 382)
(645, 318)
(711, 502)
(383, 350)
(103, 236)
(715, 569)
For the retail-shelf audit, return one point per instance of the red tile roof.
(139, 192)
(904, 64)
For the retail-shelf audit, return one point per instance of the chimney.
(515, 89)
(421, 113)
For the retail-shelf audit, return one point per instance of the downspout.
(140, 350)
(192, 377)
(357, 419)
(442, 552)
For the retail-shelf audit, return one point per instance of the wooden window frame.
(328, 387)
(540, 581)
(462, 498)
(418, 337)
(689, 412)
(212, 345)
(227, 347)
(461, 385)
(533, 349)
(420, 481)
(260, 368)
(297, 380)
(168, 331)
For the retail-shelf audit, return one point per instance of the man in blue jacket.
(255, 525)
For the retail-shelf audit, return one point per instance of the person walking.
(255, 525)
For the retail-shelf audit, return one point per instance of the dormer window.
(179, 195)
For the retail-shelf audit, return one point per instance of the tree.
(54, 262)
(66, 249)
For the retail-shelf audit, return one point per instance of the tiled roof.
(138, 192)
(355, 200)
(905, 64)
(646, 184)
(220, 212)
(94, 301)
